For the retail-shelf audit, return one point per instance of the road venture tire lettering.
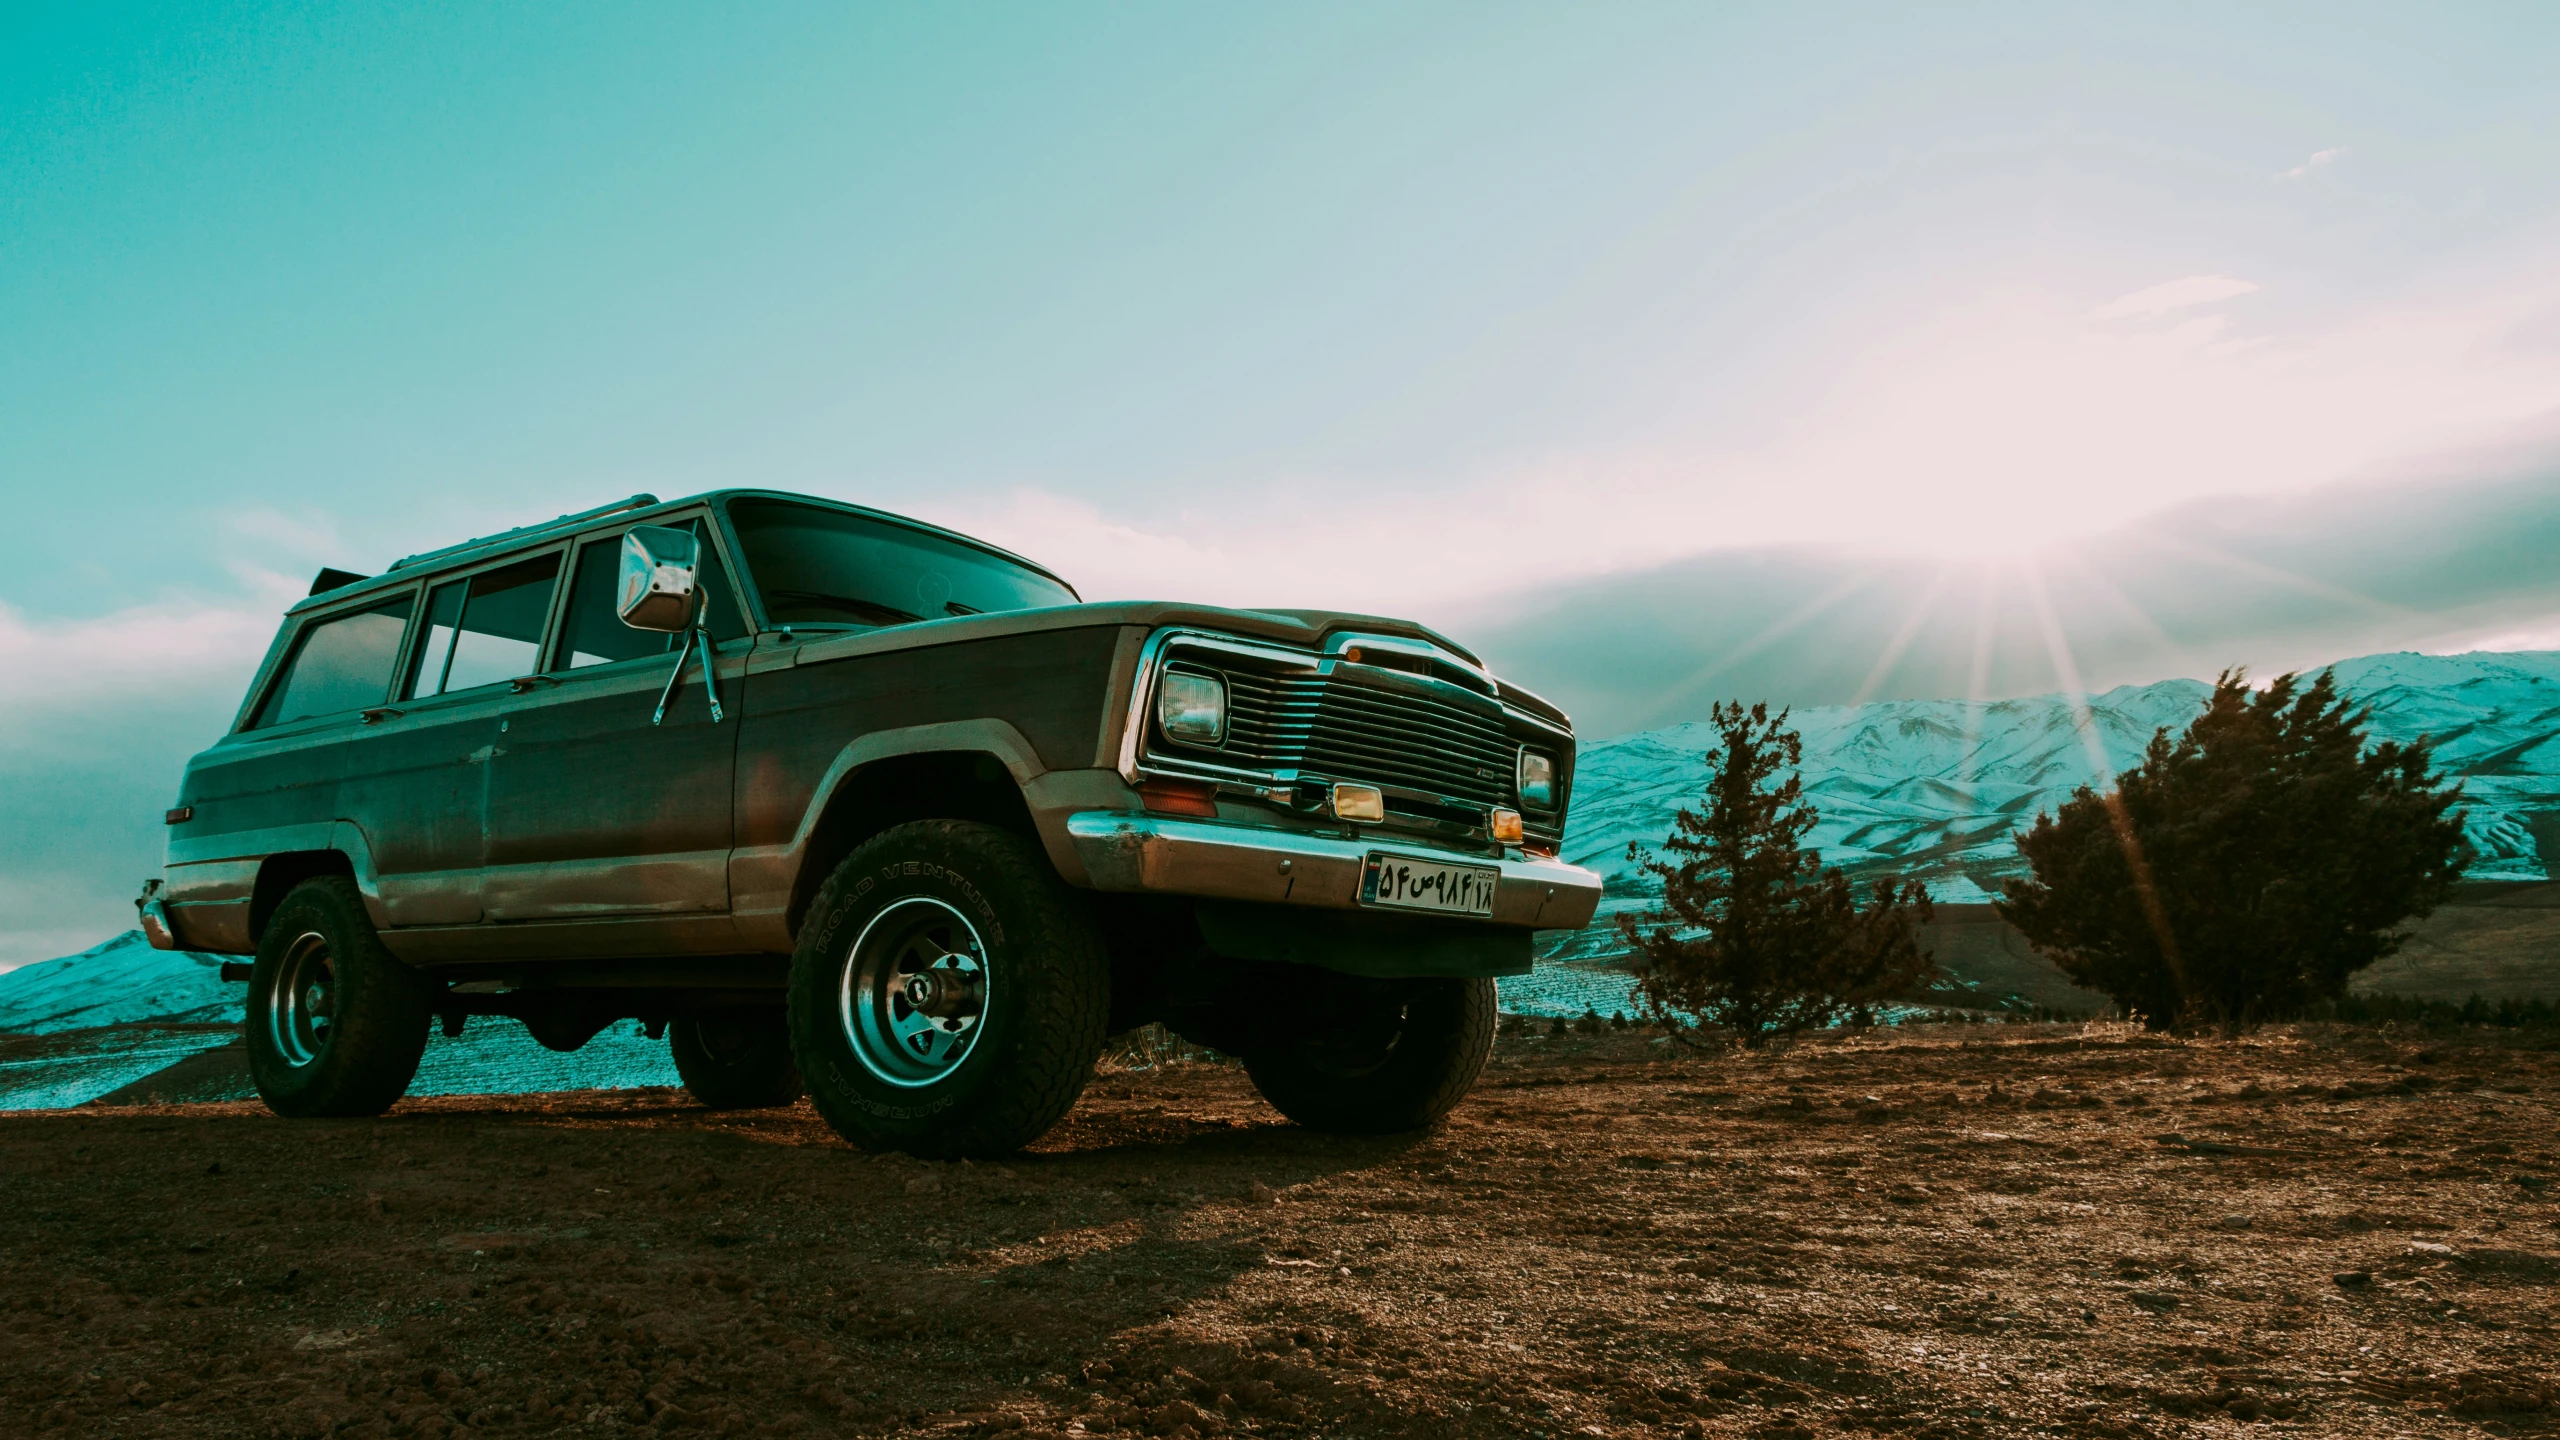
(987, 914)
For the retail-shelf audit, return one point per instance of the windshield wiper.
(871, 612)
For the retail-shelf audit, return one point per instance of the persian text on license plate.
(1405, 883)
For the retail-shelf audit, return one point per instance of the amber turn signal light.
(1359, 802)
(1505, 826)
(1180, 797)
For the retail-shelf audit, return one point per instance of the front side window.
(815, 566)
(594, 633)
(340, 664)
(484, 629)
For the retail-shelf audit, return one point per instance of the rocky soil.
(1938, 1232)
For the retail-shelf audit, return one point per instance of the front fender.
(761, 877)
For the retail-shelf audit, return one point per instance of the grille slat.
(1340, 728)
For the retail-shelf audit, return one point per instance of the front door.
(595, 812)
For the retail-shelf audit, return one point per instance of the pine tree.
(1753, 935)
(2245, 871)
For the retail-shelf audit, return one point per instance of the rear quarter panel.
(253, 796)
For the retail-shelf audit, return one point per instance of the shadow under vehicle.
(843, 802)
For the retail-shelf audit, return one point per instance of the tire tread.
(376, 1044)
(1067, 970)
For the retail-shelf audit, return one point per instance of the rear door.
(595, 812)
(278, 782)
(419, 776)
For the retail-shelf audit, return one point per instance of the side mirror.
(658, 584)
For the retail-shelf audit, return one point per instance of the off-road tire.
(1438, 1048)
(1049, 993)
(378, 1008)
(736, 1059)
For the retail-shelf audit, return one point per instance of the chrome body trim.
(1218, 860)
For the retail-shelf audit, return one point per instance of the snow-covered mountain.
(1936, 788)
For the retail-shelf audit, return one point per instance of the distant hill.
(1937, 788)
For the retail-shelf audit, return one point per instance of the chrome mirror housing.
(658, 578)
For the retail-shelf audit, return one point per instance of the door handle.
(379, 713)
(522, 683)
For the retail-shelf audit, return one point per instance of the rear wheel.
(736, 1059)
(949, 992)
(336, 1025)
(1375, 1057)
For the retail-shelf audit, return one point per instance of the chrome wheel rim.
(914, 993)
(301, 1001)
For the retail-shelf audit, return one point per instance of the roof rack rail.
(634, 502)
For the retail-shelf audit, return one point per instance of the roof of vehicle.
(636, 509)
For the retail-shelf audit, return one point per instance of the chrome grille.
(1331, 727)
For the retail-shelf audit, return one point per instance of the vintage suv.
(843, 801)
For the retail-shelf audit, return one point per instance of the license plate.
(1401, 882)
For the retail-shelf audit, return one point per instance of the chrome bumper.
(155, 917)
(1123, 852)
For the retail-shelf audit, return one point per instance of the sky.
(1654, 349)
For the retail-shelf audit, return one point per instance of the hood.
(1289, 627)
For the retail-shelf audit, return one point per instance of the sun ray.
(2262, 570)
(1903, 637)
(2089, 572)
(1977, 683)
(1777, 630)
(2066, 672)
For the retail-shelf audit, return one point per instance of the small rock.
(924, 1185)
(2428, 1247)
(2353, 1279)
(2236, 1222)
(1261, 1194)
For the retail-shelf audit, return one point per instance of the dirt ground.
(1937, 1232)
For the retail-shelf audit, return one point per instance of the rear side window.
(595, 635)
(342, 663)
(484, 629)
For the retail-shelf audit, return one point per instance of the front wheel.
(1374, 1057)
(949, 992)
(336, 1025)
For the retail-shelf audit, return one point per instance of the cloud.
(2458, 563)
(2540, 632)
(1105, 559)
(2171, 295)
(2318, 159)
(2006, 419)
(96, 718)
(73, 678)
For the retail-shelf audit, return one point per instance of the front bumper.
(155, 917)
(1213, 859)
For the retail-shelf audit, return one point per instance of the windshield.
(816, 566)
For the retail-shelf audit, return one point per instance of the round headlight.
(1192, 708)
(1537, 779)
